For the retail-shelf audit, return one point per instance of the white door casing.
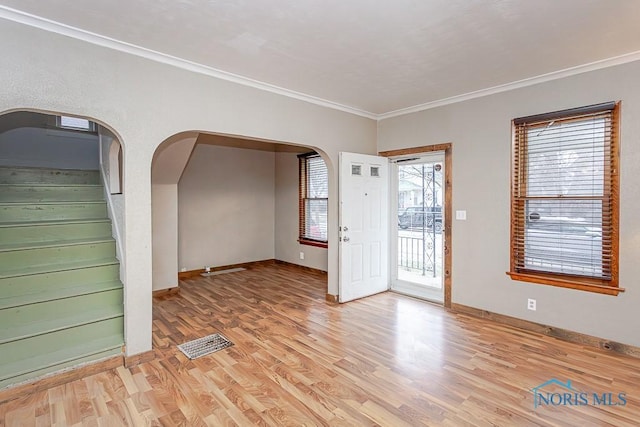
(364, 225)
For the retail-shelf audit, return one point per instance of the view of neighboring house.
(418, 186)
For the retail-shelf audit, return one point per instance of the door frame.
(406, 286)
(447, 148)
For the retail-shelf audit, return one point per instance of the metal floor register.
(203, 346)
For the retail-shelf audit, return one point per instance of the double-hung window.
(314, 193)
(564, 199)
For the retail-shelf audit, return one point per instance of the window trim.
(302, 196)
(597, 285)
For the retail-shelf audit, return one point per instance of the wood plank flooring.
(387, 360)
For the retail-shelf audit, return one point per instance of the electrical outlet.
(207, 268)
(183, 269)
(301, 255)
(531, 304)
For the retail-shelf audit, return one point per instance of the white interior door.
(364, 225)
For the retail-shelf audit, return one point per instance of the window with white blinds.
(564, 199)
(314, 193)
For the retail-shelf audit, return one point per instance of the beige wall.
(49, 148)
(287, 247)
(481, 135)
(164, 199)
(247, 199)
(226, 207)
(147, 102)
(169, 162)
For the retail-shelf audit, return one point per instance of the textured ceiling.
(376, 56)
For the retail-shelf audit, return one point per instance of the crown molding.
(555, 75)
(108, 42)
(18, 16)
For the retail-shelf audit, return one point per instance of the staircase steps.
(50, 256)
(53, 282)
(51, 231)
(73, 267)
(31, 320)
(44, 354)
(43, 176)
(34, 296)
(52, 211)
(49, 193)
(61, 300)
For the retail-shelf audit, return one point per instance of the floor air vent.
(216, 273)
(203, 346)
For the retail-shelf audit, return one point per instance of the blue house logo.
(557, 393)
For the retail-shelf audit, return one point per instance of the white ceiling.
(371, 56)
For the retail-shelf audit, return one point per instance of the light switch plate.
(461, 215)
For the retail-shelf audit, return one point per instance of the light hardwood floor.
(387, 360)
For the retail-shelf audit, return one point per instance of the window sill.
(565, 282)
(315, 243)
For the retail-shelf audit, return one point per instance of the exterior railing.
(416, 253)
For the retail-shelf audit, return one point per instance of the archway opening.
(63, 297)
(221, 202)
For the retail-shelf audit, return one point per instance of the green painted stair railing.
(61, 300)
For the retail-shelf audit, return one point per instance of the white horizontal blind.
(314, 192)
(562, 201)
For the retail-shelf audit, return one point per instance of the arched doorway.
(220, 201)
(59, 270)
